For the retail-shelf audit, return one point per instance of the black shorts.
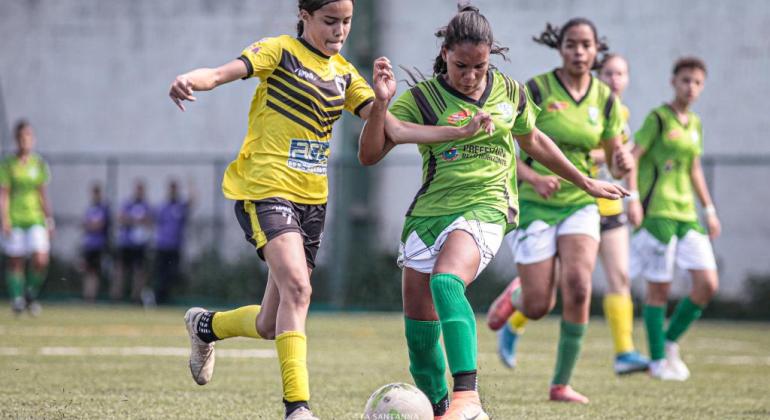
(612, 222)
(133, 256)
(93, 259)
(263, 220)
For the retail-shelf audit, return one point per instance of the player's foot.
(465, 405)
(301, 413)
(34, 308)
(661, 369)
(201, 352)
(18, 305)
(675, 360)
(502, 308)
(565, 393)
(506, 345)
(630, 362)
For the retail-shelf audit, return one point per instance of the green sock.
(654, 318)
(685, 314)
(15, 284)
(457, 322)
(35, 281)
(426, 359)
(570, 342)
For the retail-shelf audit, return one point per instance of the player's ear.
(443, 54)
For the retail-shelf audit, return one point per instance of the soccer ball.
(398, 401)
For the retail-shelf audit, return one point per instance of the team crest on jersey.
(255, 47)
(309, 156)
(460, 118)
(695, 137)
(340, 83)
(450, 155)
(675, 134)
(506, 110)
(557, 106)
(669, 166)
(33, 172)
(593, 115)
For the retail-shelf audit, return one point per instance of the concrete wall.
(93, 76)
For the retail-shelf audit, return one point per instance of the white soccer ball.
(398, 401)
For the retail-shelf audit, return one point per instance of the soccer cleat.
(675, 360)
(18, 305)
(34, 308)
(506, 345)
(502, 308)
(302, 413)
(661, 369)
(565, 393)
(465, 405)
(630, 362)
(201, 352)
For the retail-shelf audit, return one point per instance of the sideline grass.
(101, 376)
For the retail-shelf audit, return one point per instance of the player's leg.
(423, 333)
(39, 247)
(117, 282)
(15, 250)
(92, 260)
(139, 290)
(618, 306)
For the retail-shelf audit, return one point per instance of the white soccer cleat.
(201, 352)
(675, 360)
(18, 305)
(302, 413)
(662, 369)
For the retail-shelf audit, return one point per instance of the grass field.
(121, 362)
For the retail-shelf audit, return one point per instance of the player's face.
(688, 84)
(467, 65)
(139, 191)
(26, 140)
(578, 50)
(615, 74)
(327, 28)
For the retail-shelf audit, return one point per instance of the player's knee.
(536, 310)
(266, 329)
(579, 290)
(297, 291)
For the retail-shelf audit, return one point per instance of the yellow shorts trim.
(257, 235)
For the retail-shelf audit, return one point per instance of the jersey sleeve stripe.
(321, 134)
(508, 88)
(608, 106)
(249, 67)
(648, 197)
(436, 96)
(428, 180)
(428, 115)
(534, 90)
(522, 99)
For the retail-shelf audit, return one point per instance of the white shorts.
(656, 261)
(24, 242)
(538, 241)
(421, 257)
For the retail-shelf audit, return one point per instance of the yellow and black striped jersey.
(301, 94)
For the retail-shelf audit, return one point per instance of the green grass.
(350, 355)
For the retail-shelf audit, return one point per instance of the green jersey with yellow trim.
(665, 186)
(478, 171)
(577, 126)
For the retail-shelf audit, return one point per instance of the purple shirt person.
(135, 233)
(170, 224)
(96, 230)
(169, 238)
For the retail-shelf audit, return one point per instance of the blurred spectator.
(169, 238)
(135, 229)
(96, 228)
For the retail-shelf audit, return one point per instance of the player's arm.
(634, 210)
(204, 79)
(5, 212)
(543, 149)
(545, 185)
(618, 158)
(701, 189)
(45, 203)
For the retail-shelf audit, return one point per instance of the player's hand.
(635, 213)
(480, 121)
(623, 162)
(602, 189)
(383, 79)
(714, 226)
(181, 90)
(546, 186)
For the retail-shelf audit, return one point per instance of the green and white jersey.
(665, 186)
(577, 126)
(478, 171)
(23, 180)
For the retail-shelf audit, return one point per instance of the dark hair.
(609, 56)
(20, 125)
(689, 63)
(311, 6)
(468, 25)
(553, 36)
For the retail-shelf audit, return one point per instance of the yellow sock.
(518, 321)
(292, 354)
(619, 311)
(241, 322)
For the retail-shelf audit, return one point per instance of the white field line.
(134, 351)
(731, 360)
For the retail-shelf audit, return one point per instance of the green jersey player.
(468, 199)
(668, 149)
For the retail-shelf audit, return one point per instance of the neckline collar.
(312, 49)
(564, 88)
(484, 96)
